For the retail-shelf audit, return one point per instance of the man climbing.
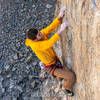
(43, 48)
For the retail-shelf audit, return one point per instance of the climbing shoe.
(68, 92)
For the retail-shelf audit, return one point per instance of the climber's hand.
(62, 12)
(63, 27)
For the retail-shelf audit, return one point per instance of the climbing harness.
(50, 68)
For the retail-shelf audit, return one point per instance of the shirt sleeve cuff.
(57, 36)
(58, 19)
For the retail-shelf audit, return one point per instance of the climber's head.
(34, 34)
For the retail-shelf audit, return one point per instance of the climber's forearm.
(61, 14)
(62, 28)
(59, 32)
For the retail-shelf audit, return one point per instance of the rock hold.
(48, 6)
(33, 84)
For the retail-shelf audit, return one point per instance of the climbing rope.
(67, 97)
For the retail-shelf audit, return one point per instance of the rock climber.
(43, 48)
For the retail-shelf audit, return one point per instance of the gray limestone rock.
(48, 6)
(16, 16)
(33, 83)
(16, 56)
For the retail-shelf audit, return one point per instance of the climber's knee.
(73, 76)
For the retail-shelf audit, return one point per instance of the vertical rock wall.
(80, 46)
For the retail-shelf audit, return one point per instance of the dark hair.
(31, 33)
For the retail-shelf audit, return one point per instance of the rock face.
(80, 45)
(79, 50)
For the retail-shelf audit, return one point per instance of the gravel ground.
(16, 76)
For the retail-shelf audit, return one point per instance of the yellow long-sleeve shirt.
(44, 49)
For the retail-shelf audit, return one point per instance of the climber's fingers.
(67, 23)
(64, 25)
(63, 9)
